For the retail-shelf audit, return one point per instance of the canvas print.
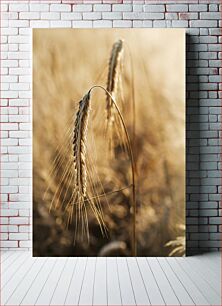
(108, 142)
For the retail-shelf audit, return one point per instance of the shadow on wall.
(193, 142)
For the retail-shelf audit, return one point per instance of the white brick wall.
(200, 17)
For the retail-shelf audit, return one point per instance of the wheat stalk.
(133, 167)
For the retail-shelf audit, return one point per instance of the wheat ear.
(112, 80)
(78, 203)
(79, 145)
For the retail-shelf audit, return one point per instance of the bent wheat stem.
(133, 168)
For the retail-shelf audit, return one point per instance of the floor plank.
(190, 286)
(47, 291)
(214, 280)
(10, 261)
(137, 281)
(63, 284)
(74, 291)
(208, 292)
(4, 255)
(86, 294)
(152, 287)
(181, 292)
(126, 289)
(37, 285)
(100, 283)
(17, 278)
(13, 270)
(18, 294)
(113, 285)
(212, 261)
(165, 287)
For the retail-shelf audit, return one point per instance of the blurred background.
(66, 64)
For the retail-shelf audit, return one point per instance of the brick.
(102, 24)
(9, 173)
(18, 7)
(187, 16)
(121, 7)
(4, 7)
(122, 23)
(154, 8)
(208, 39)
(138, 23)
(215, 220)
(9, 94)
(18, 236)
(19, 149)
(20, 71)
(25, 126)
(29, 15)
(102, 7)
(39, 24)
(208, 205)
(8, 228)
(4, 236)
(60, 24)
(208, 213)
(92, 15)
(215, 236)
(13, 47)
(36, 7)
(52, 15)
(19, 118)
(9, 142)
(215, 63)
(197, 7)
(199, 236)
(112, 15)
(25, 244)
(71, 16)
(9, 126)
(180, 23)
(18, 23)
(3, 220)
(82, 8)
(9, 212)
(25, 142)
(60, 8)
(24, 229)
(161, 23)
(137, 8)
(9, 31)
(135, 15)
(216, 31)
(19, 220)
(203, 23)
(177, 8)
(24, 212)
(19, 102)
(9, 63)
(216, 16)
(82, 24)
(213, 7)
(171, 16)
(9, 244)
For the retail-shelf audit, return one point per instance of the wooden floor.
(110, 281)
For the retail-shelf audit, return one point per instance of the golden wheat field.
(108, 142)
